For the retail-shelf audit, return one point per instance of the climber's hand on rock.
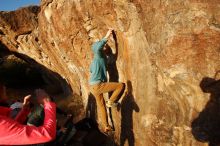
(110, 30)
(42, 96)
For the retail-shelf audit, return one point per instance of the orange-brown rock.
(163, 50)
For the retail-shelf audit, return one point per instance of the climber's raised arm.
(97, 46)
(110, 30)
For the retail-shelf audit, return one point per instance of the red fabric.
(22, 115)
(14, 133)
(5, 111)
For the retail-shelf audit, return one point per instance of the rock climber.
(98, 81)
(13, 132)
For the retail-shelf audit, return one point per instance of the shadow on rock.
(111, 59)
(91, 108)
(206, 127)
(95, 137)
(128, 105)
(21, 71)
(19, 77)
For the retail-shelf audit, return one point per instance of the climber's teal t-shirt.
(97, 67)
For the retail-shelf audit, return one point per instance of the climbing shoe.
(108, 129)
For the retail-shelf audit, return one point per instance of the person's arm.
(108, 33)
(5, 111)
(13, 133)
(22, 115)
(100, 44)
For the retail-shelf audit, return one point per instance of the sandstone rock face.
(162, 50)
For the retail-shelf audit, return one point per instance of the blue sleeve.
(97, 46)
(103, 42)
(90, 68)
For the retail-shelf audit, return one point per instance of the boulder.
(162, 50)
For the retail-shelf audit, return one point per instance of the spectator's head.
(42, 96)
